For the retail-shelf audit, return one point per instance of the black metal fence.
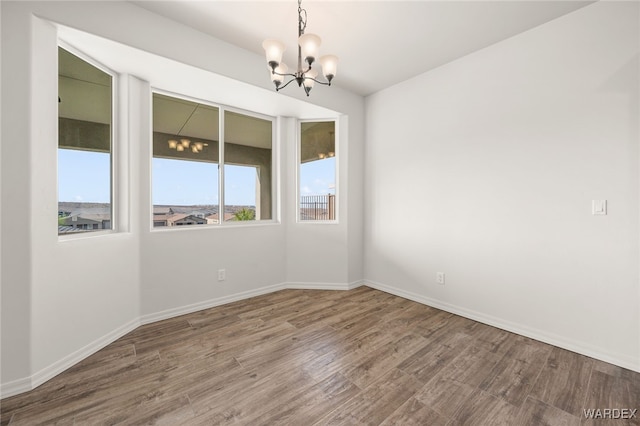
(317, 207)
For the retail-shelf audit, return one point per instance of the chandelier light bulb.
(185, 142)
(180, 148)
(173, 143)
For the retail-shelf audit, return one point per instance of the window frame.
(336, 220)
(275, 165)
(114, 151)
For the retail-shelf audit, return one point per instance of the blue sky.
(318, 177)
(83, 176)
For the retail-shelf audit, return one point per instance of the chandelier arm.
(278, 88)
(284, 75)
(319, 81)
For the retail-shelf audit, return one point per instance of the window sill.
(226, 225)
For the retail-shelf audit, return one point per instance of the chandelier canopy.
(308, 45)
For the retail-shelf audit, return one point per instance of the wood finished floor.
(308, 357)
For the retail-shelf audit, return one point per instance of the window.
(85, 129)
(248, 161)
(317, 171)
(186, 158)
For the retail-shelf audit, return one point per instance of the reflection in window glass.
(317, 172)
(185, 162)
(248, 163)
(84, 146)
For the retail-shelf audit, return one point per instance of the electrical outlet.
(222, 275)
(440, 277)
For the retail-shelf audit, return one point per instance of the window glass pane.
(248, 162)
(185, 162)
(317, 174)
(84, 146)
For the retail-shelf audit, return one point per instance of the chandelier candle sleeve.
(278, 76)
(309, 80)
(308, 52)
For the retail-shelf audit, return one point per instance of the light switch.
(599, 206)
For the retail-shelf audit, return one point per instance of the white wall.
(62, 300)
(16, 263)
(485, 169)
(59, 296)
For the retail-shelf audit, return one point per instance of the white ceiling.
(379, 43)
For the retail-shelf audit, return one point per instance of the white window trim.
(116, 206)
(275, 166)
(298, 139)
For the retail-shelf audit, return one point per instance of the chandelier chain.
(302, 22)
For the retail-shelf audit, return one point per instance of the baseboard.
(542, 336)
(323, 286)
(207, 304)
(15, 387)
(29, 383)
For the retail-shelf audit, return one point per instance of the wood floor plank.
(131, 390)
(615, 371)
(312, 404)
(563, 381)
(535, 412)
(404, 317)
(375, 403)
(303, 357)
(613, 392)
(351, 352)
(245, 403)
(471, 366)
(98, 368)
(414, 413)
(383, 359)
(241, 306)
(514, 375)
(490, 339)
(440, 325)
(355, 326)
(149, 337)
(319, 314)
(428, 361)
(482, 408)
(444, 395)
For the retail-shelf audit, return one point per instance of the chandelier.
(308, 45)
(182, 144)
